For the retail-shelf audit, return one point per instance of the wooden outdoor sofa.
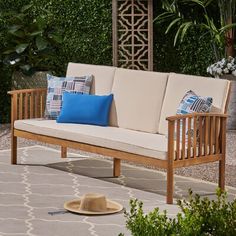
(143, 125)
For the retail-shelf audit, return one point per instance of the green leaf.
(14, 28)
(26, 7)
(39, 32)
(162, 17)
(55, 37)
(172, 24)
(21, 47)
(7, 52)
(26, 68)
(228, 27)
(41, 22)
(41, 43)
(19, 34)
(177, 34)
(187, 25)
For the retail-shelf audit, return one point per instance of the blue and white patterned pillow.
(190, 103)
(58, 85)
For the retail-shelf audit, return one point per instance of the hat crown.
(93, 202)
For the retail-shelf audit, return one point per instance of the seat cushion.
(179, 84)
(103, 76)
(138, 98)
(152, 145)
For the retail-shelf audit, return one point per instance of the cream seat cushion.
(152, 145)
(179, 84)
(138, 98)
(103, 76)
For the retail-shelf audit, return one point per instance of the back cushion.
(179, 84)
(138, 97)
(102, 76)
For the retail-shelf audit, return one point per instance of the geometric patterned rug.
(32, 193)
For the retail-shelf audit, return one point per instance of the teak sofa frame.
(207, 145)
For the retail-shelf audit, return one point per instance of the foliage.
(88, 30)
(30, 41)
(184, 15)
(87, 35)
(191, 56)
(198, 217)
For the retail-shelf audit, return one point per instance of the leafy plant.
(198, 217)
(184, 15)
(30, 41)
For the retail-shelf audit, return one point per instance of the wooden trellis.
(132, 34)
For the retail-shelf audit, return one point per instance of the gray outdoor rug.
(32, 193)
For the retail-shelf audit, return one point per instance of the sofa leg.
(170, 185)
(116, 167)
(63, 152)
(13, 150)
(222, 174)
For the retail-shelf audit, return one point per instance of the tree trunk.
(230, 51)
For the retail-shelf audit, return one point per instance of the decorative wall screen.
(132, 34)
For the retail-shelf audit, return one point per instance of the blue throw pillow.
(85, 109)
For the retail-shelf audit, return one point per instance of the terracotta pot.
(22, 81)
(231, 124)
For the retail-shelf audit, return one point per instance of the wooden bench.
(163, 144)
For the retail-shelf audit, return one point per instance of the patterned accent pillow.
(58, 85)
(190, 103)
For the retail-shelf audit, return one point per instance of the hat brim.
(74, 205)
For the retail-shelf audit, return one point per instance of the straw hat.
(93, 204)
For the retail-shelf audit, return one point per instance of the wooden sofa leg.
(116, 167)
(222, 174)
(13, 150)
(170, 185)
(63, 152)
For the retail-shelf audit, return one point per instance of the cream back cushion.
(138, 98)
(179, 84)
(102, 76)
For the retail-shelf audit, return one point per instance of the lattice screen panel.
(132, 34)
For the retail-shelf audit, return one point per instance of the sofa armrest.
(196, 136)
(27, 103)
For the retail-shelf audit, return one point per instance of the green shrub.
(31, 42)
(87, 35)
(198, 217)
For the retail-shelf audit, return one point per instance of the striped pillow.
(190, 103)
(58, 85)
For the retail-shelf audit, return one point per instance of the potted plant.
(31, 43)
(226, 69)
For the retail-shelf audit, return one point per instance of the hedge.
(87, 31)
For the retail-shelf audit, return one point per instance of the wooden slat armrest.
(27, 103)
(195, 114)
(196, 135)
(27, 91)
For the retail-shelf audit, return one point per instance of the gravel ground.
(207, 172)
